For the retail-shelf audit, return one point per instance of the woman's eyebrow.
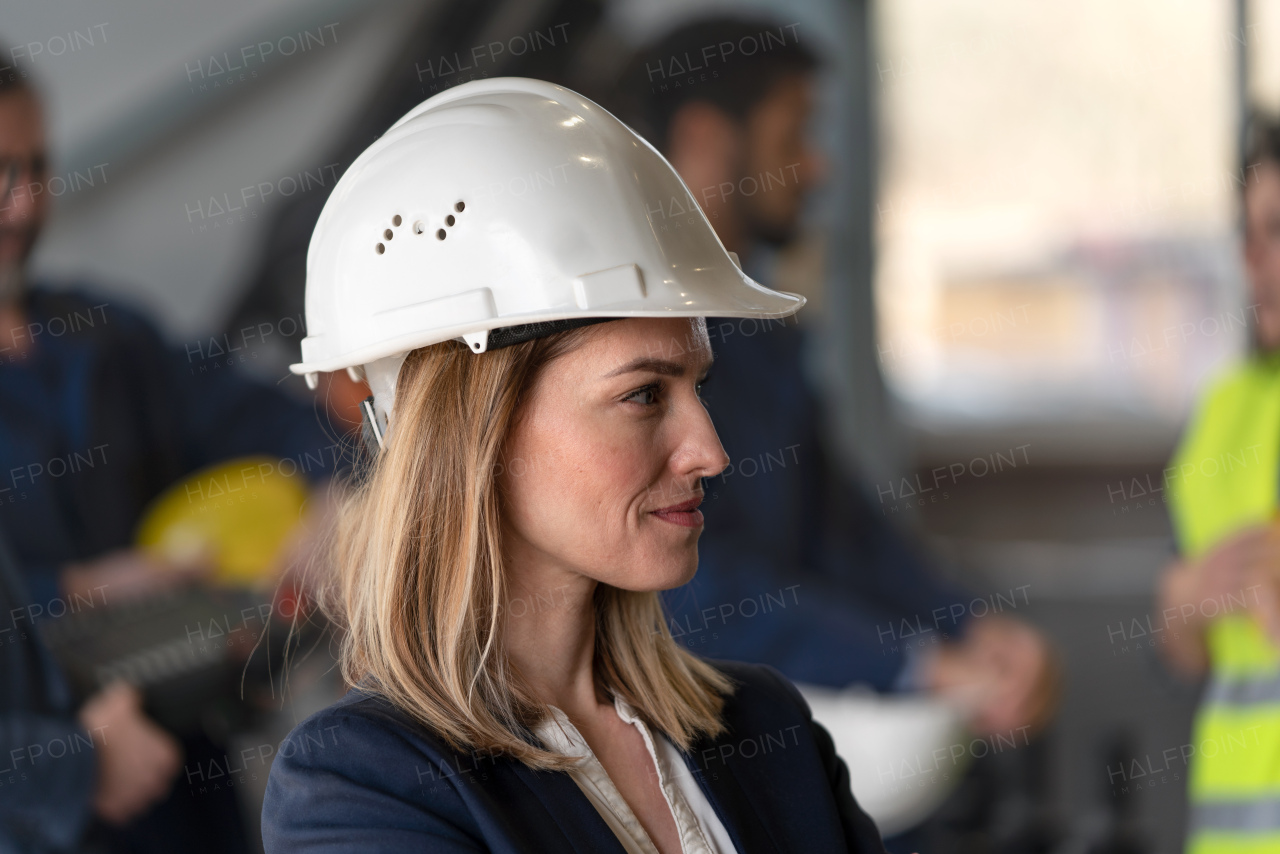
(664, 367)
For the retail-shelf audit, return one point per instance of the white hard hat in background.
(501, 203)
(906, 753)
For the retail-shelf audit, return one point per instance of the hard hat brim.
(773, 305)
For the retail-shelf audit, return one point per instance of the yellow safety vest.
(1224, 478)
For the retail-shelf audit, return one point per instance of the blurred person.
(98, 415)
(62, 769)
(728, 101)
(1220, 600)
(538, 459)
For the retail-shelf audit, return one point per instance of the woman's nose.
(703, 454)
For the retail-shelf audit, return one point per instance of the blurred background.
(1026, 258)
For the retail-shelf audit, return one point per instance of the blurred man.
(97, 413)
(1220, 604)
(97, 416)
(796, 568)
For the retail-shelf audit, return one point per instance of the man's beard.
(13, 270)
(761, 230)
(12, 281)
(779, 237)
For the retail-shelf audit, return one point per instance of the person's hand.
(1243, 568)
(1256, 582)
(1233, 568)
(299, 555)
(127, 574)
(302, 572)
(137, 760)
(1003, 672)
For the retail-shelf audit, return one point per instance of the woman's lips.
(686, 514)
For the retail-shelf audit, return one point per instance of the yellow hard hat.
(236, 514)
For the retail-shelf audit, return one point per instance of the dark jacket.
(360, 776)
(101, 414)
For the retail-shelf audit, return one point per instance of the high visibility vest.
(1224, 478)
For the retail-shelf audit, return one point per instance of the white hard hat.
(502, 203)
(912, 736)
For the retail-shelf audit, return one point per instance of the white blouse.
(701, 831)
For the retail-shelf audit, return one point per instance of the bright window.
(1058, 201)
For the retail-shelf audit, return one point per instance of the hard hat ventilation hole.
(388, 234)
(418, 227)
(476, 345)
(449, 220)
(380, 249)
(440, 235)
(459, 207)
(395, 220)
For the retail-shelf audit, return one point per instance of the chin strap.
(369, 430)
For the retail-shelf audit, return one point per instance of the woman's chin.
(654, 576)
(679, 573)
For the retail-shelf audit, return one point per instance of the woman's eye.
(646, 396)
(700, 385)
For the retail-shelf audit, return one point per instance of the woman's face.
(601, 473)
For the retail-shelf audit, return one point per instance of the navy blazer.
(361, 776)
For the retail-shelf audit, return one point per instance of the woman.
(522, 280)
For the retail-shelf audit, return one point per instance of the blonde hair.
(420, 578)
